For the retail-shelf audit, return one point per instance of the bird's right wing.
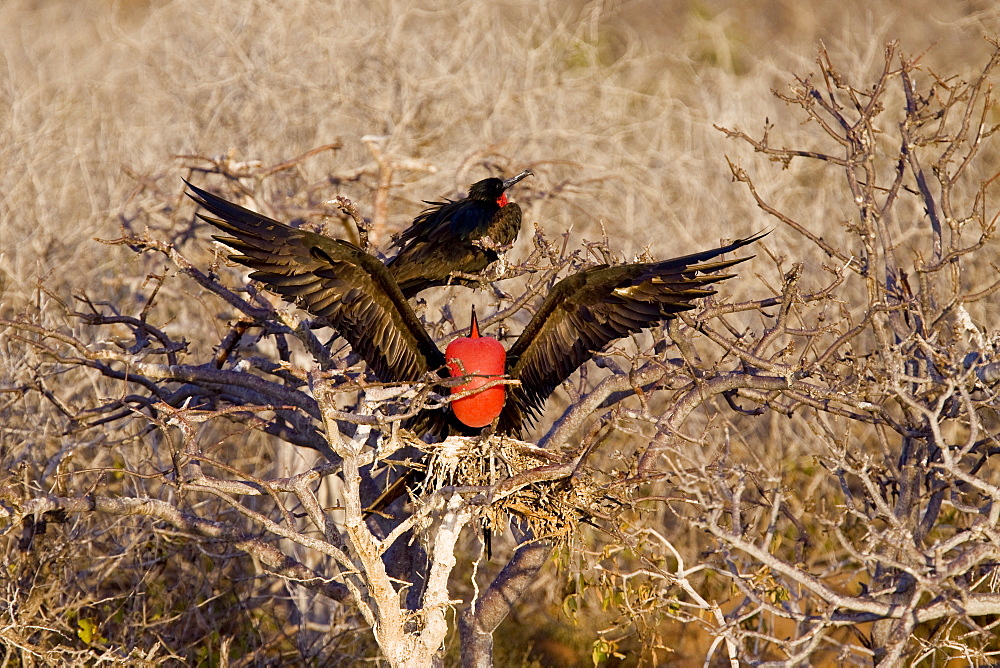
(332, 279)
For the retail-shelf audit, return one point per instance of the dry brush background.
(106, 105)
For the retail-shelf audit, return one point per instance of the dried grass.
(612, 105)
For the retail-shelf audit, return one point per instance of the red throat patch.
(502, 200)
(483, 358)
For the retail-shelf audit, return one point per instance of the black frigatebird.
(356, 294)
(460, 236)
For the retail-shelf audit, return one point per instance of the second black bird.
(457, 237)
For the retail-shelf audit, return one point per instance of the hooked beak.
(514, 179)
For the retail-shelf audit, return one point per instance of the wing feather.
(349, 289)
(585, 312)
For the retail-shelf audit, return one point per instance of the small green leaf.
(87, 630)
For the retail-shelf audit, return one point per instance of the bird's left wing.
(586, 311)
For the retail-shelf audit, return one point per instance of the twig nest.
(507, 478)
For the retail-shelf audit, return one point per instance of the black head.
(492, 189)
(489, 190)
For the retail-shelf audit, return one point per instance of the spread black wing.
(349, 289)
(585, 312)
